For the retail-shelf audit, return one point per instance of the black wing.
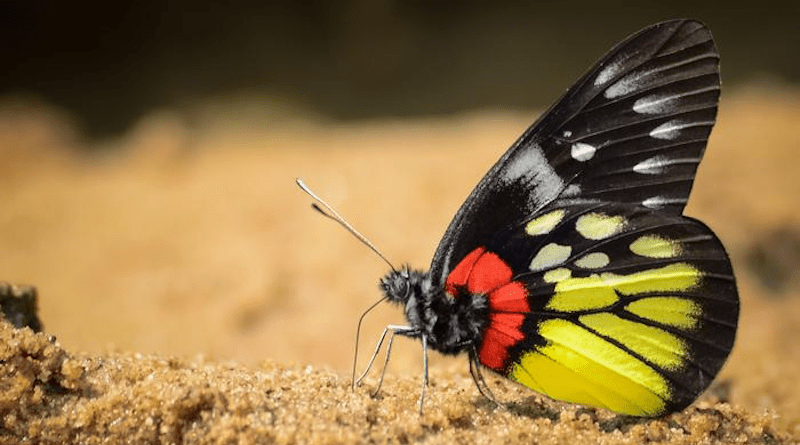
(631, 130)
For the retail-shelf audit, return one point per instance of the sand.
(189, 295)
(52, 396)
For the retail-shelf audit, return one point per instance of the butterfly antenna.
(329, 212)
(334, 215)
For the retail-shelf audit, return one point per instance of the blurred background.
(148, 153)
(111, 63)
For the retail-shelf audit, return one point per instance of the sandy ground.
(195, 298)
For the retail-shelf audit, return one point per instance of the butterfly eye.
(407, 293)
(405, 282)
(397, 285)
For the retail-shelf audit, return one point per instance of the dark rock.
(19, 306)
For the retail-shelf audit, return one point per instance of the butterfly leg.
(424, 372)
(390, 330)
(357, 381)
(477, 377)
(385, 364)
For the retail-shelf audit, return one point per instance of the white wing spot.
(532, 167)
(583, 152)
(609, 71)
(549, 256)
(571, 190)
(655, 104)
(567, 134)
(668, 130)
(657, 202)
(627, 84)
(634, 81)
(653, 166)
(658, 164)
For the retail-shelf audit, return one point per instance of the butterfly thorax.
(450, 324)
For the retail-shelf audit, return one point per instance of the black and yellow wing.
(599, 291)
(627, 308)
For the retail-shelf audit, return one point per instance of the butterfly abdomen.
(452, 321)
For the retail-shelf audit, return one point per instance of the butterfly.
(570, 268)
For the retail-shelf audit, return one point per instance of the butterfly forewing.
(632, 130)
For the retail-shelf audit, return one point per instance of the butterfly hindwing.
(611, 305)
(631, 130)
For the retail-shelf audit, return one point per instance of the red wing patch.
(502, 333)
(485, 273)
(488, 274)
(458, 277)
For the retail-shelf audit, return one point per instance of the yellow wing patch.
(671, 311)
(545, 223)
(598, 291)
(659, 346)
(549, 256)
(653, 246)
(598, 226)
(581, 367)
(603, 359)
(582, 293)
(556, 275)
(594, 260)
(670, 278)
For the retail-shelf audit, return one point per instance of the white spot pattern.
(657, 104)
(658, 164)
(531, 166)
(652, 166)
(598, 226)
(657, 202)
(582, 152)
(608, 72)
(635, 81)
(545, 224)
(623, 86)
(668, 130)
(672, 129)
(571, 190)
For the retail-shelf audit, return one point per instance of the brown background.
(190, 242)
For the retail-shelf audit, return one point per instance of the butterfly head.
(400, 286)
(407, 287)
